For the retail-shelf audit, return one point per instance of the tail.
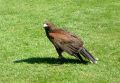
(87, 55)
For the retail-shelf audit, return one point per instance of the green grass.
(23, 39)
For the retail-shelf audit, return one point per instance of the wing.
(64, 32)
(66, 42)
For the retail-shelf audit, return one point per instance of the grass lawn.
(27, 56)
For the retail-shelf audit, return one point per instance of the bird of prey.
(64, 41)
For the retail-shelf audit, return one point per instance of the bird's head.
(48, 26)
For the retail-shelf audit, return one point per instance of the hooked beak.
(45, 25)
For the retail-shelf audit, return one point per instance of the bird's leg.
(59, 51)
(78, 56)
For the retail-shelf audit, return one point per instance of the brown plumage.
(65, 41)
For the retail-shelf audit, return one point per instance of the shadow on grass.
(49, 60)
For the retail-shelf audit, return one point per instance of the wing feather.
(68, 43)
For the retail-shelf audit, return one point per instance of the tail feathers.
(87, 55)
